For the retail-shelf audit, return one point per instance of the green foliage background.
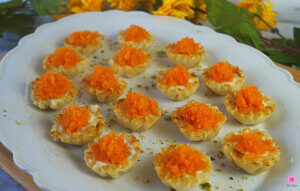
(17, 16)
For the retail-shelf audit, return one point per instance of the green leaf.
(157, 4)
(14, 21)
(11, 3)
(44, 7)
(234, 21)
(297, 36)
(283, 58)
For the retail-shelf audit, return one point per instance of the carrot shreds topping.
(249, 99)
(51, 86)
(178, 75)
(74, 118)
(129, 56)
(65, 57)
(83, 38)
(136, 105)
(222, 72)
(136, 34)
(183, 160)
(200, 116)
(102, 78)
(111, 149)
(185, 46)
(251, 143)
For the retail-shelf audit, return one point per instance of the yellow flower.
(201, 5)
(260, 11)
(79, 6)
(125, 5)
(177, 8)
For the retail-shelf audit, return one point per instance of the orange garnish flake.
(251, 143)
(136, 34)
(185, 46)
(130, 56)
(74, 118)
(177, 76)
(51, 86)
(102, 78)
(183, 160)
(222, 72)
(83, 38)
(136, 105)
(111, 149)
(249, 99)
(65, 57)
(200, 116)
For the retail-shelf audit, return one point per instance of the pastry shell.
(54, 103)
(200, 135)
(114, 170)
(225, 87)
(144, 44)
(247, 164)
(177, 93)
(86, 50)
(187, 181)
(140, 124)
(253, 117)
(85, 135)
(189, 61)
(68, 72)
(109, 95)
(128, 71)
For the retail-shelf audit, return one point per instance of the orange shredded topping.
(130, 56)
(74, 118)
(200, 116)
(249, 99)
(185, 46)
(102, 78)
(183, 160)
(136, 105)
(111, 149)
(136, 34)
(178, 75)
(251, 143)
(222, 72)
(83, 38)
(65, 57)
(51, 86)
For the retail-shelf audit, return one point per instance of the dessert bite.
(177, 83)
(186, 52)
(249, 106)
(78, 125)
(104, 85)
(112, 154)
(137, 112)
(65, 61)
(85, 42)
(198, 121)
(251, 151)
(136, 36)
(223, 78)
(130, 61)
(53, 91)
(182, 167)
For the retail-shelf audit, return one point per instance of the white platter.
(60, 167)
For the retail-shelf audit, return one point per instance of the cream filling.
(132, 152)
(191, 80)
(231, 83)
